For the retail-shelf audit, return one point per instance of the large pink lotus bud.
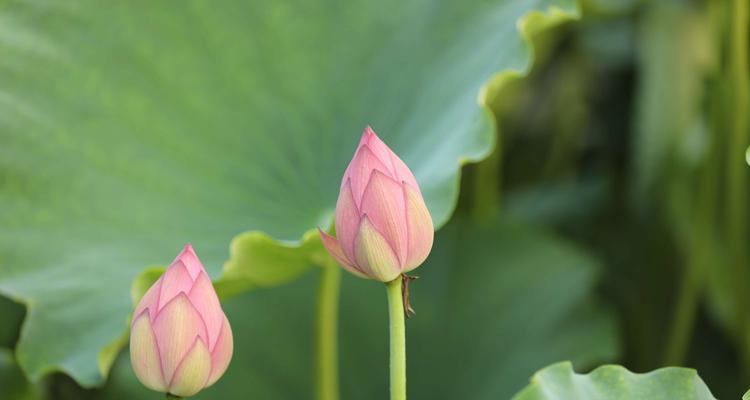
(180, 339)
(383, 227)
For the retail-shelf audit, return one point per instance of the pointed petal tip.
(367, 133)
(333, 246)
(176, 280)
(149, 301)
(370, 138)
(144, 313)
(221, 355)
(193, 371)
(144, 355)
(368, 158)
(345, 180)
(175, 328)
(204, 299)
(383, 203)
(329, 241)
(187, 249)
(420, 229)
(190, 259)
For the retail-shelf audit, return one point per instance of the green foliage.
(12, 315)
(13, 384)
(649, 178)
(130, 129)
(611, 382)
(257, 260)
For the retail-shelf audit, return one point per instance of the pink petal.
(383, 203)
(334, 249)
(191, 374)
(175, 280)
(191, 261)
(359, 170)
(420, 228)
(204, 299)
(347, 220)
(374, 255)
(367, 135)
(149, 301)
(222, 353)
(144, 354)
(403, 173)
(176, 327)
(378, 148)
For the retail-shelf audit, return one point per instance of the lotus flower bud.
(383, 226)
(180, 339)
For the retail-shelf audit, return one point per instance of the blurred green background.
(584, 160)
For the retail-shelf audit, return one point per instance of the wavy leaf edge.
(540, 385)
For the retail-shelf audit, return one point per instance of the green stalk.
(170, 396)
(736, 174)
(327, 332)
(687, 305)
(398, 339)
(698, 254)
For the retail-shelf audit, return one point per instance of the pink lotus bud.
(383, 226)
(180, 339)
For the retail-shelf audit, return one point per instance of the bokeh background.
(584, 160)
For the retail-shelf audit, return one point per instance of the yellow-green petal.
(144, 354)
(192, 373)
(374, 255)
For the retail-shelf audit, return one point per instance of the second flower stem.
(397, 340)
(327, 332)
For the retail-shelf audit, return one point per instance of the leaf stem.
(698, 256)
(327, 332)
(737, 175)
(687, 304)
(397, 340)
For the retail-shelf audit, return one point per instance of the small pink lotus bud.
(383, 226)
(180, 339)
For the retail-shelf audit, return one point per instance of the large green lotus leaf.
(130, 128)
(494, 304)
(612, 382)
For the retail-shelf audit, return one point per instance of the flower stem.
(327, 332)
(170, 396)
(398, 339)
